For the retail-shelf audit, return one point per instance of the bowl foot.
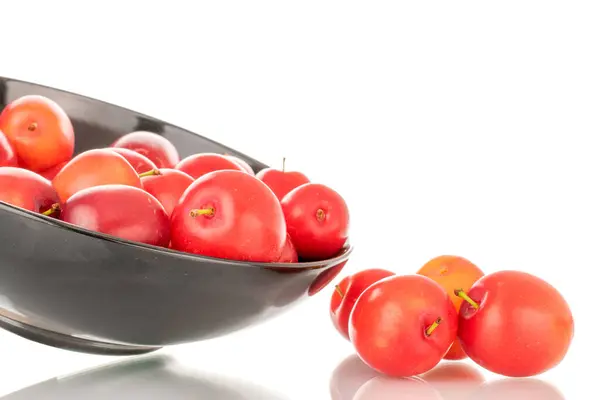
(71, 343)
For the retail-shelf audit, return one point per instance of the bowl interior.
(98, 124)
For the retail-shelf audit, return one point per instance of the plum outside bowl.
(83, 291)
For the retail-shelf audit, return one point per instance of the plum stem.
(339, 291)
(283, 165)
(463, 295)
(152, 172)
(32, 127)
(320, 215)
(209, 212)
(433, 327)
(55, 207)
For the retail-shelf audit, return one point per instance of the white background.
(466, 128)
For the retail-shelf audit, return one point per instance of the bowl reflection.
(148, 377)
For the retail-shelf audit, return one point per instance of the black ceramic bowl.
(83, 291)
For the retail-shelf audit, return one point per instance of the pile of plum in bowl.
(121, 233)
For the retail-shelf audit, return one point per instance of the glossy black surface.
(100, 289)
(148, 377)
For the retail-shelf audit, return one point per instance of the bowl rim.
(342, 256)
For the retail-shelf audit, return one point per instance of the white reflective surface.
(298, 356)
(161, 376)
(464, 128)
(154, 377)
(352, 380)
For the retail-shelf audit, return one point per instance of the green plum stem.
(463, 295)
(339, 291)
(54, 208)
(209, 212)
(433, 327)
(152, 172)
